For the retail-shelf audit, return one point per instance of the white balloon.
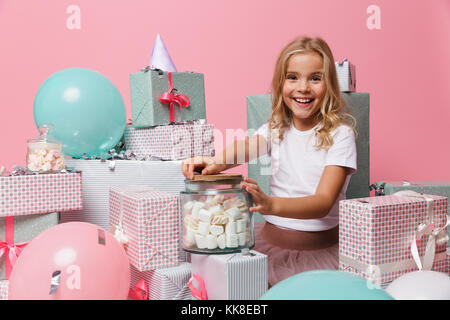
(421, 285)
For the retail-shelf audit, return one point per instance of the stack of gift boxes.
(138, 198)
(30, 204)
(401, 230)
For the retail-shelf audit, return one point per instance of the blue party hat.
(160, 57)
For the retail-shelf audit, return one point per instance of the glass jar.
(45, 152)
(215, 215)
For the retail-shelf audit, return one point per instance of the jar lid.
(221, 178)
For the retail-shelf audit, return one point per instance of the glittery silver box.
(25, 229)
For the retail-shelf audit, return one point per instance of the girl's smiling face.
(304, 88)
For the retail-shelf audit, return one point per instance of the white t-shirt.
(297, 167)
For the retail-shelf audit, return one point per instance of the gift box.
(232, 276)
(259, 108)
(381, 238)
(166, 283)
(4, 289)
(159, 97)
(99, 176)
(16, 232)
(346, 73)
(150, 221)
(40, 193)
(171, 142)
(441, 188)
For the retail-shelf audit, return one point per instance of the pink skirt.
(283, 263)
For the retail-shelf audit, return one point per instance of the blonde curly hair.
(332, 112)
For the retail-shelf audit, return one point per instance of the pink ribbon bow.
(139, 291)
(8, 248)
(198, 293)
(172, 97)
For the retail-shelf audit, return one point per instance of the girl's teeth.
(303, 100)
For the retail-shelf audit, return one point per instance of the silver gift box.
(346, 73)
(26, 228)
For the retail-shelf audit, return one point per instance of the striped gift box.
(171, 142)
(375, 234)
(346, 73)
(42, 193)
(166, 283)
(4, 289)
(99, 176)
(234, 276)
(150, 220)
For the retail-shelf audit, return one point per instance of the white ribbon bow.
(435, 235)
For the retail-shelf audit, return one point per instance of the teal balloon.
(325, 285)
(86, 109)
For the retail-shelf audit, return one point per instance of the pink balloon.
(91, 263)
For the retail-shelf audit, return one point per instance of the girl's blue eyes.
(293, 77)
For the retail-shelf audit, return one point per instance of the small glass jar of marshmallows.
(45, 152)
(215, 215)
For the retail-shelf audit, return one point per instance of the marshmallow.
(221, 241)
(204, 215)
(240, 225)
(234, 213)
(215, 230)
(189, 237)
(211, 241)
(220, 219)
(200, 241)
(188, 206)
(230, 228)
(196, 208)
(232, 240)
(203, 228)
(216, 209)
(242, 237)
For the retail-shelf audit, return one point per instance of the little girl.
(311, 141)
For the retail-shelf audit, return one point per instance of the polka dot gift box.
(171, 142)
(42, 193)
(147, 222)
(381, 238)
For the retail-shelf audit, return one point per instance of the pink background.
(405, 65)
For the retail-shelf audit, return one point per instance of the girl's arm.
(310, 207)
(239, 152)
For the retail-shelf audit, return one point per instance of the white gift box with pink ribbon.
(381, 238)
(165, 283)
(234, 276)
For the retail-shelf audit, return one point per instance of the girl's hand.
(263, 202)
(207, 165)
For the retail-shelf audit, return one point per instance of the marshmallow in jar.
(45, 152)
(215, 215)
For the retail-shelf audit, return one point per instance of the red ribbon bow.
(198, 293)
(139, 291)
(172, 97)
(8, 248)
